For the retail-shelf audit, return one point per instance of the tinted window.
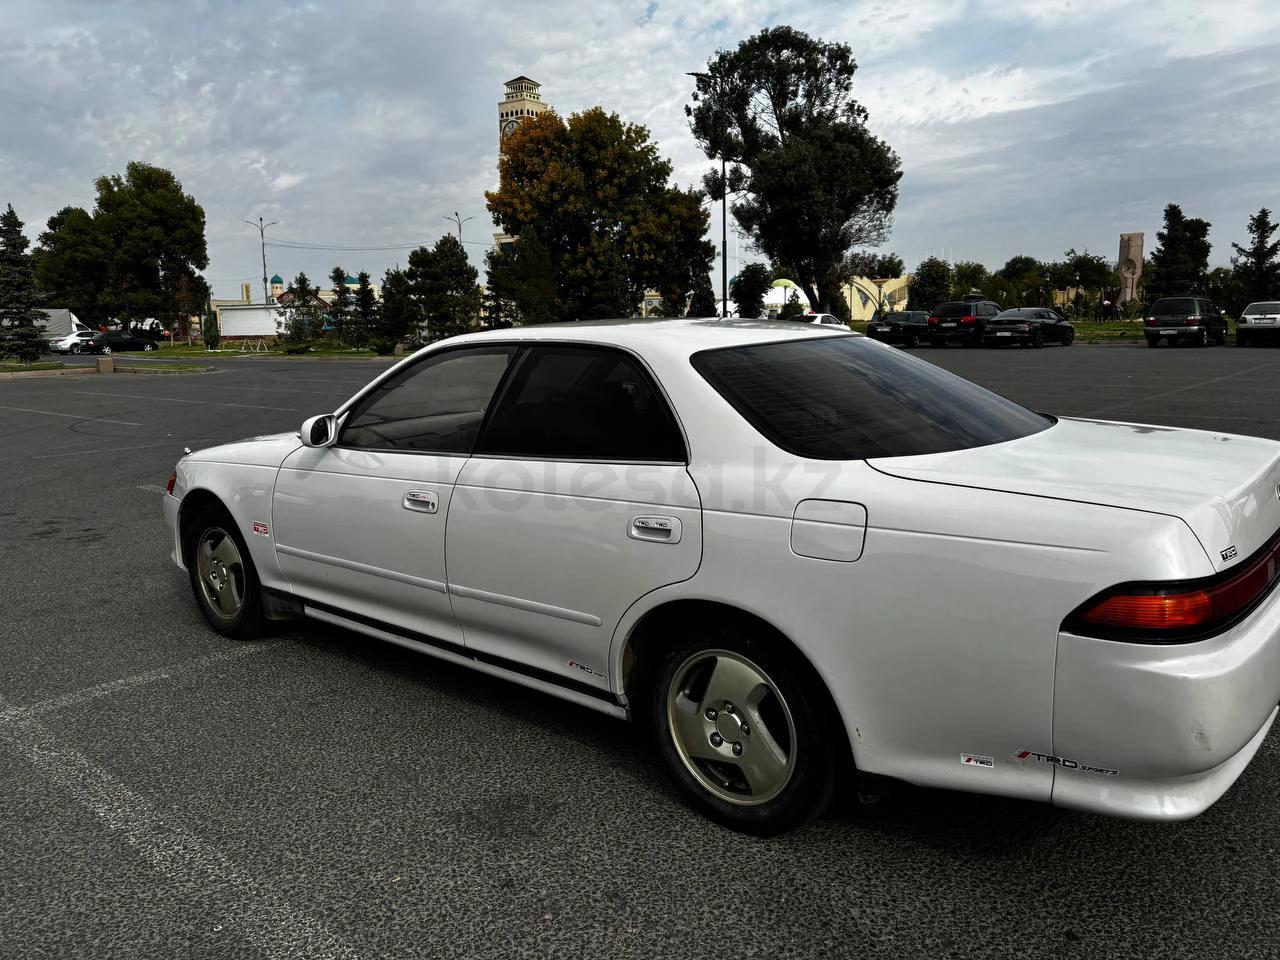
(1174, 307)
(897, 318)
(954, 310)
(846, 398)
(1262, 309)
(582, 403)
(436, 405)
(1013, 315)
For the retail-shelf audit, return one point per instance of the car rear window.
(1015, 314)
(1174, 307)
(849, 398)
(1261, 309)
(955, 310)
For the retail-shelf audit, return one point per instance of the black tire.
(1202, 340)
(106, 351)
(247, 623)
(910, 340)
(148, 347)
(1037, 340)
(75, 348)
(1153, 341)
(819, 741)
(1070, 338)
(976, 340)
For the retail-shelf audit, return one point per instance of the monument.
(1129, 266)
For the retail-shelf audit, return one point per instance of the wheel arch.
(193, 502)
(655, 630)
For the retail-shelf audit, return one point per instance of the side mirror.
(319, 431)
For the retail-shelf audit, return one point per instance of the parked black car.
(963, 320)
(115, 341)
(1029, 326)
(907, 327)
(1191, 319)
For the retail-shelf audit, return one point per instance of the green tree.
(873, 266)
(19, 334)
(209, 331)
(792, 308)
(969, 277)
(70, 265)
(1020, 282)
(813, 181)
(1181, 260)
(749, 289)
(703, 301)
(609, 224)
(1222, 285)
(1257, 266)
(364, 311)
(444, 284)
(397, 315)
(340, 306)
(522, 282)
(930, 284)
(300, 316)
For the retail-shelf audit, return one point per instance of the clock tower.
(522, 100)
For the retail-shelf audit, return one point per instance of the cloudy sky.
(1024, 126)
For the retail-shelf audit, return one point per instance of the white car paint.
(928, 592)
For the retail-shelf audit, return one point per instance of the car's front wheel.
(223, 577)
(147, 348)
(75, 348)
(1070, 338)
(106, 351)
(746, 731)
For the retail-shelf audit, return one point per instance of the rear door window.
(952, 310)
(570, 402)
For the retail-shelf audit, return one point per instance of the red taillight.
(968, 321)
(933, 320)
(1168, 613)
(173, 478)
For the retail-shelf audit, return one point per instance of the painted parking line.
(71, 416)
(203, 403)
(256, 912)
(96, 450)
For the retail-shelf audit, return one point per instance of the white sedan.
(790, 552)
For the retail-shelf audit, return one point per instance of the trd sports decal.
(1023, 757)
(975, 760)
(261, 529)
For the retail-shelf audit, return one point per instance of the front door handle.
(421, 501)
(657, 529)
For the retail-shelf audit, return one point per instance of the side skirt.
(582, 694)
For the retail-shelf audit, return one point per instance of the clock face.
(509, 126)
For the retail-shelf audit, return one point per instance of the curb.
(34, 374)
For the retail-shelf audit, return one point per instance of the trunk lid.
(1224, 486)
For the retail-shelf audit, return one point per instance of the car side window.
(567, 402)
(435, 406)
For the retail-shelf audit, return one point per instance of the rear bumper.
(1190, 331)
(1165, 730)
(997, 337)
(955, 333)
(1260, 331)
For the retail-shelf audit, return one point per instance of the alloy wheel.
(731, 727)
(220, 572)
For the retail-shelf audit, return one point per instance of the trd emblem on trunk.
(1229, 554)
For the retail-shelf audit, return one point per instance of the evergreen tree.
(444, 285)
(1257, 269)
(299, 316)
(749, 288)
(703, 302)
(340, 306)
(396, 316)
(364, 312)
(19, 334)
(792, 308)
(522, 283)
(1181, 260)
(209, 331)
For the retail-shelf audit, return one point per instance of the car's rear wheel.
(148, 347)
(1152, 341)
(223, 577)
(910, 340)
(1202, 339)
(1037, 340)
(106, 350)
(746, 730)
(75, 348)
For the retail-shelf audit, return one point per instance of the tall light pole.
(724, 195)
(262, 237)
(459, 221)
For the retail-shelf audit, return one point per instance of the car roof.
(679, 337)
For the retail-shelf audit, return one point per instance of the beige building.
(862, 294)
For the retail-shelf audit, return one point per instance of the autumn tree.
(19, 334)
(749, 289)
(813, 182)
(609, 224)
(1257, 269)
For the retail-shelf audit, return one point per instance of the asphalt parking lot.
(167, 793)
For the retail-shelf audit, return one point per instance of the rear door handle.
(421, 501)
(655, 528)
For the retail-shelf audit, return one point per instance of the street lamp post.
(262, 237)
(459, 221)
(724, 197)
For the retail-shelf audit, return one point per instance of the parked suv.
(1192, 319)
(963, 320)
